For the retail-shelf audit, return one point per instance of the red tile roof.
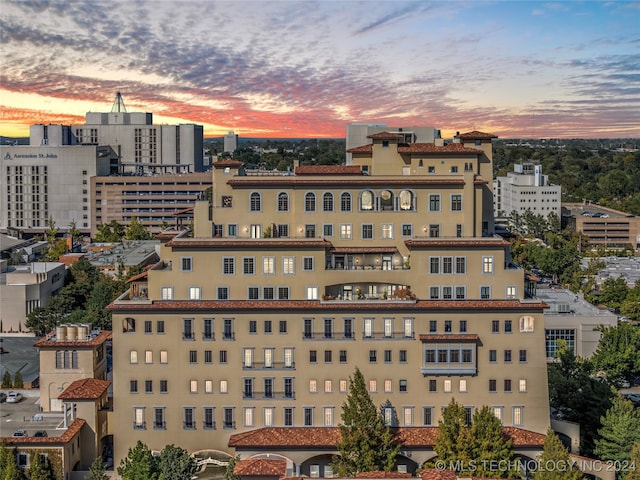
(431, 148)
(315, 305)
(476, 135)
(466, 243)
(49, 341)
(66, 437)
(213, 243)
(139, 276)
(361, 149)
(437, 474)
(385, 136)
(345, 181)
(328, 170)
(328, 437)
(85, 389)
(227, 163)
(260, 467)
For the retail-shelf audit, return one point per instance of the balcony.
(271, 366)
(269, 395)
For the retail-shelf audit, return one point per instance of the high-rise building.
(230, 142)
(253, 323)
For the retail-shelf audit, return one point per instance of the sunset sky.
(307, 69)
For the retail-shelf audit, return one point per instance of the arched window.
(386, 200)
(283, 202)
(327, 202)
(255, 204)
(366, 200)
(406, 200)
(310, 202)
(345, 202)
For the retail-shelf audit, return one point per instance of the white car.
(14, 397)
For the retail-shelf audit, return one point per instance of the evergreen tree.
(6, 380)
(554, 461)
(634, 468)
(619, 433)
(139, 464)
(17, 380)
(366, 443)
(175, 463)
(97, 470)
(617, 352)
(452, 444)
(228, 474)
(136, 231)
(490, 446)
(40, 468)
(9, 463)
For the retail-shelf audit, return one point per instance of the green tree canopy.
(97, 470)
(634, 473)
(109, 232)
(40, 469)
(136, 231)
(617, 353)
(175, 463)
(619, 433)
(452, 444)
(555, 462)
(139, 464)
(490, 446)
(366, 441)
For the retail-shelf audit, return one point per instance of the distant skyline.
(294, 69)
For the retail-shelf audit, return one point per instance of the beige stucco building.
(250, 328)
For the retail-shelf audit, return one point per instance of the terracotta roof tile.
(328, 437)
(361, 149)
(213, 243)
(260, 467)
(497, 242)
(437, 474)
(431, 148)
(85, 389)
(346, 181)
(138, 276)
(227, 163)
(66, 437)
(49, 341)
(316, 305)
(385, 135)
(329, 170)
(476, 135)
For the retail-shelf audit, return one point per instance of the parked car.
(41, 433)
(21, 432)
(633, 397)
(14, 397)
(3, 397)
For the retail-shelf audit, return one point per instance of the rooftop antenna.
(118, 104)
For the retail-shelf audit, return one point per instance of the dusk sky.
(307, 69)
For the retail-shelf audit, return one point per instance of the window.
(345, 231)
(327, 230)
(267, 354)
(328, 417)
(493, 356)
(388, 327)
(348, 327)
(283, 202)
(224, 386)
(283, 293)
(255, 202)
(187, 329)
(456, 202)
(248, 266)
(447, 326)
(459, 230)
(160, 326)
(307, 264)
(307, 328)
(447, 293)
(463, 386)
(517, 414)
(208, 422)
(447, 386)
(228, 265)
(138, 418)
(312, 293)
(327, 202)
(308, 416)
(497, 411)
(328, 328)
(129, 325)
(247, 357)
(386, 231)
(343, 386)
(164, 358)
(403, 356)
(485, 292)
(223, 356)
(447, 265)
(268, 265)
(407, 230)
(166, 293)
(232, 230)
(526, 324)
(227, 329)
(523, 356)
(507, 356)
(373, 356)
(434, 293)
(268, 327)
(133, 358)
(288, 265)
(248, 388)
(373, 386)
(368, 327)
(434, 203)
(507, 385)
(366, 200)
(433, 326)
(267, 414)
(268, 293)
(463, 326)
(186, 264)
(288, 388)
(431, 169)
(164, 388)
(507, 326)
(288, 416)
(432, 385)
(487, 264)
(343, 356)
(522, 386)
(193, 356)
(147, 326)
(313, 356)
(253, 293)
(228, 418)
(310, 231)
(253, 326)
(408, 327)
(227, 201)
(492, 385)
(434, 265)
(282, 328)
(387, 356)
(345, 202)
(281, 230)
(367, 231)
(194, 293)
(495, 326)
(511, 292)
(461, 265)
(158, 418)
(133, 386)
(427, 416)
(148, 356)
(310, 202)
(193, 386)
(327, 386)
(403, 385)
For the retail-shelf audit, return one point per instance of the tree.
(577, 395)
(555, 462)
(17, 380)
(614, 291)
(490, 446)
(231, 466)
(617, 352)
(56, 250)
(6, 380)
(634, 472)
(74, 233)
(40, 468)
(630, 308)
(109, 232)
(619, 433)
(97, 470)
(139, 464)
(452, 444)
(136, 231)
(366, 442)
(175, 463)
(8, 463)
(51, 232)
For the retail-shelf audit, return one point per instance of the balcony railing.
(271, 366)
(325, 336)
(139, 426)
(388, 336)
(208, 425)
(269, 395)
